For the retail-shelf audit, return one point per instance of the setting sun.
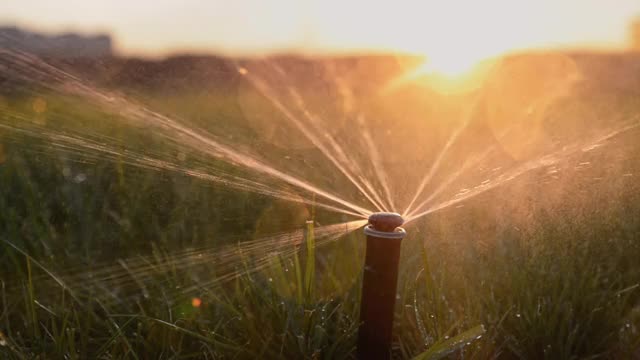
(451, 66)
(447, 72)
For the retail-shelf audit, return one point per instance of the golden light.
(458, 53)
(449, 65)
(448, 72)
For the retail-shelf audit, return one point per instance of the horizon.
(314, 28)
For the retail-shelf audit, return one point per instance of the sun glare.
(453, 66)
(447, 72)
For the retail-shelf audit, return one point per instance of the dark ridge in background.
(93, 58)
(56, 46)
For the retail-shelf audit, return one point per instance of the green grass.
(480, 282)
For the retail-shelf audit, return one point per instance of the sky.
(447, 29)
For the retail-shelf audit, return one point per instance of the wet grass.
(484, 281)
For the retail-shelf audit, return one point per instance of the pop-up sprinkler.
(379, 283)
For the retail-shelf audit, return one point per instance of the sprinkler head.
(379, 284)
(385, 221)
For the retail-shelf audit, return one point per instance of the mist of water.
(370, 177)
(177, 131)
(207, 267)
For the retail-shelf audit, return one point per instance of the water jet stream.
(441, 155)
(256, 254)
(545, 160)
(74, 145)
(378, 167)
(113, 279)
(188, 136)
(369, 147)
(338, 159)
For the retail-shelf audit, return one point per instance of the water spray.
(384, 237)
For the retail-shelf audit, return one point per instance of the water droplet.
(80, 178)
